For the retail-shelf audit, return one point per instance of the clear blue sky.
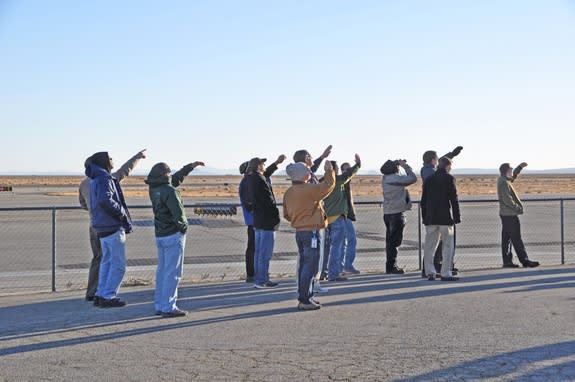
(223, 81)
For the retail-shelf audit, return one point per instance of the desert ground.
(367, 187)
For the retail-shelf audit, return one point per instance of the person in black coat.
(440, 212)
(261, 202)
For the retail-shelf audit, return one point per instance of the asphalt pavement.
(492, 325)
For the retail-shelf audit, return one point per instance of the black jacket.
(439, 199)
(261, 202)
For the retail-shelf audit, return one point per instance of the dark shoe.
(268, 285)
(309, 306)
(174, 313)
(454, 269)
(450, 278)
(431, 277)
(158, 313)
(90, 298)
(510, 265)
(395, 271)
(454, 272)
(96, 301)
(352, 271)
(530, 264)
(338, 278)
(250, 280)
(112, 303)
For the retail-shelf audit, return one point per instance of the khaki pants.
(435, 233)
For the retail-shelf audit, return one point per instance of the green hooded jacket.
(169, 214)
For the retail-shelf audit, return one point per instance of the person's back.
(302, 204)
(440, 198)
(396, 198)
(169, 213)
(262, 200)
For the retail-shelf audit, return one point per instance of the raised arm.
(127, 167)
(178, 177)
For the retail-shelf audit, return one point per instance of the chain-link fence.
(48, 248)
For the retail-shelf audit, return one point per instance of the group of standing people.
(321, 210)
(101, 194)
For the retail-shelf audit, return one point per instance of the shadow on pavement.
(520, 365)
(75, 317)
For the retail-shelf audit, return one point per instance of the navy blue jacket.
(107, 203)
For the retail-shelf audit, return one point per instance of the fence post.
(562, 233)
(419, 232)
(54, 249)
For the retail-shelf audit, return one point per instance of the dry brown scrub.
(363, 186)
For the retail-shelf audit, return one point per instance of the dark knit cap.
(244, 167)
(389, 167)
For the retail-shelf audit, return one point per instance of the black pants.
(94, 272)
(394, 224)
(511, 235)
(250, 251)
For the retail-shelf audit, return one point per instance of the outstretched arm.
(178, 177)
(127, 167)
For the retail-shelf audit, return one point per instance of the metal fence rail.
(47, 248)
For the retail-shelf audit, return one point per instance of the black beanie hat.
(389, 167)
(101, 159)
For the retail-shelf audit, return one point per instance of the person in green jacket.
(170, 226)
(510, 207)
(336, 210)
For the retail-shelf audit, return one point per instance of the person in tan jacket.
(510, 207)
(303, 208)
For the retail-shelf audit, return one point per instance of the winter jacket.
(121, 174)
(302, 204)
(509, 202)
(242, 190)
(396, 198)
(169, 214)
(336, 204)
(108, 208)
(439, 200)
(261, 202)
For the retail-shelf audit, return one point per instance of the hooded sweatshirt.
(107, 202)
(169, 214)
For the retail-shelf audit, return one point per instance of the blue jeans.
(308, 264)
(350, 245)
(113, 264)
(169, 271)
(264, 251)
(337, 239)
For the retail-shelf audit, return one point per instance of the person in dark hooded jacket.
(170, 226)
(111, 220)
